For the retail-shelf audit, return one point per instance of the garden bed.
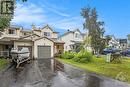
(3, 62)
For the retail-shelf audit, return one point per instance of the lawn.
(99, 66)
(3, 62)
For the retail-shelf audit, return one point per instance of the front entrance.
(44, 51)
(5, 50)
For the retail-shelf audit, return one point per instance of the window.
(77, 35)
(47, 34)
(9, 47)
(11, 31)
(6, 47)
(26, 33)
(58, 46)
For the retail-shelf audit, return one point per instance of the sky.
(62, 15)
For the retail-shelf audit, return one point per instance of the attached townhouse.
(73, 40)
(42, 42)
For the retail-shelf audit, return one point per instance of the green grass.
(3, 62)
(99, 66)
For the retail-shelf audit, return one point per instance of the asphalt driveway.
(52, 73)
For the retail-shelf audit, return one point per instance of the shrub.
(67, 55)
(77, 57)
(83, 57)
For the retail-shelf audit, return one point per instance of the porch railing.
(4, 54)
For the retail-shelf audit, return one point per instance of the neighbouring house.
(114, 43)
(123, 44)
(73, 40)
(42, 42)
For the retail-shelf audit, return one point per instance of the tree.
(5, 19)
(24, 0)
(4, 22)
(87, 42)
(108, 38)
(128, 36)
(95, 29)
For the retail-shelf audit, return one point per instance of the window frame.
(47, 34)
(77, 35)
(11, 31)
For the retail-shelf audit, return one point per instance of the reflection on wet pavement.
(52, 73)
(58, 74)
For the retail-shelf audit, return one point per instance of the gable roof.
(77, 30)
(71, 32)
(8, 39)
(29, 36)
(66, 33)
(42, 38)
(57, 41)
(47, 26)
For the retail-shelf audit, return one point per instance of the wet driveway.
(52, 73)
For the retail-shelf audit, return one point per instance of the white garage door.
(44, 51)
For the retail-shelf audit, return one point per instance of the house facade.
(114, 43)
(73, 40)
(123, 44)
(42, 42)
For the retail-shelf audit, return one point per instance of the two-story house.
(48, 32)
(42, 42)
(73, 40)
(114, 43)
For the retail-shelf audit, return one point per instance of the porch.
(59, 48)
(5, 48)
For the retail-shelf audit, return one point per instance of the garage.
(41, 47)
(44, 51)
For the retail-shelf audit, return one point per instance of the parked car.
(126, 52)
(112, 50)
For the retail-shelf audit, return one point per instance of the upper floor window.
(11, 31)
(77, 35)
(47, 34)
(25, 34)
